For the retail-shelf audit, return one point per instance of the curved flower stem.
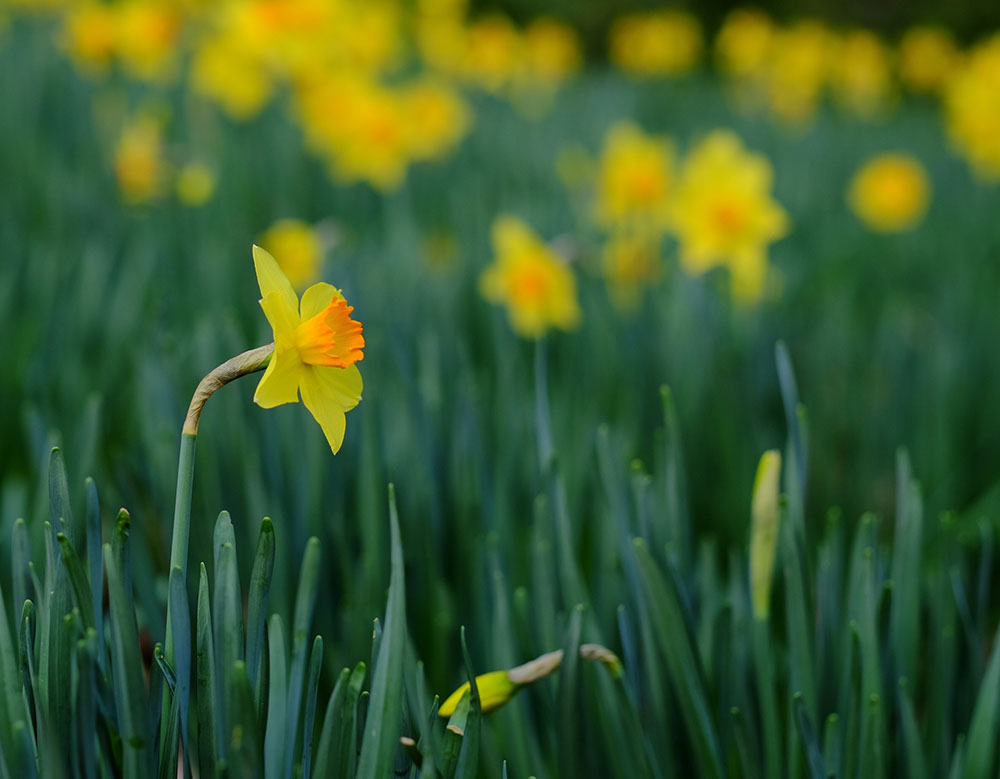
(240, 365)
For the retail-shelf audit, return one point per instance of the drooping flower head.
(537, 288)
(724, 213)
(316, 347)
(890, 193)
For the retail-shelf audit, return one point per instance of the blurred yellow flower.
(861, 73)
(492, 52)
(225, 71)
(657, 43)
(890, 193)
(634, 178)
(551, 51)
(195, 184)
(535, 285)
(630, 263)
(972, 106)
(139, 164)
(90, 35)
(723, 212)
(297, 248)
(316, 346)
(928, 57)
(436, 118)
(744, 42)
(147, 36)
(798, 71)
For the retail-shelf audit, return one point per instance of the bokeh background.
(145, 146)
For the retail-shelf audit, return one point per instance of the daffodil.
(316, 348)
(658, 43)
(724, 213)
(861, 73)
(634, 178)
(928, 57)
(537, 287)
(297, 248)
(139, 164)
(890, 193)
(972, 103)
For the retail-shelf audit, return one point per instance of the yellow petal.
(342, 384)
(322, 396)
(316, 298)
(272, 280)
(283, 319)
(280, 383)
(495, 689)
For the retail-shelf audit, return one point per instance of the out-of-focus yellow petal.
(280, 383)
(316, 298)
(271, 279)
(324, 404)
(495, 689)
(283, 318)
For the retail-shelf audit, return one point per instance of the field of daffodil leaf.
(399, 389)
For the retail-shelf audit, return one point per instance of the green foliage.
(542, 505)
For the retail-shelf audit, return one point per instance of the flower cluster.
(716, 203)
(972, 103)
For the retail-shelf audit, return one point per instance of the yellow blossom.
(890, 193)
(630, 263)
(723, 212)
(798, 70)
(861, 73)
(297, 248)
(551, 51)
(195, 184)
(492, 52)
(226, 71)
(744, 43)
(634, 178)
(537, 288)
(316, 348)
(928, 57)
(658, 43)
(147, 37)
(90, 35)
(972, 104)
(139, 164)
(436, 118)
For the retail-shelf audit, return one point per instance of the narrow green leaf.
(243, 749)
(126, 665)
(331, 719)
(95, 565)
(810, 741)
(981, 744)
(913, 750)
(78, 579)
(20, 553)
(467, 766)
(568, 730)
(181, 618)
(257, 597)
(305, 604)
(904, 626)
(208, 695)
(309, 719)
(676, 643)
(346, 756)
(227, 613)
(381, 733)
(276, 730)
(59, 501)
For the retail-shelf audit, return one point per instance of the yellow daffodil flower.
(316, 348)
(744, 43)
(928, 57)
(634, 178)
(890, 193)
(495, 689)
(861, 73)
(297, 248)
(195, 184)
(537, 287)
(658, 43)
(972, 104)
(723, 212)
(139, 164)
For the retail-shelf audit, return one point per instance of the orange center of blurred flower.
(729, 217)
(528, 286)
(646, 186)
(331, 338)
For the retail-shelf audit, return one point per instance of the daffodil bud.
(764, 517)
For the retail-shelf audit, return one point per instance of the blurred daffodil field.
(614, 404)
